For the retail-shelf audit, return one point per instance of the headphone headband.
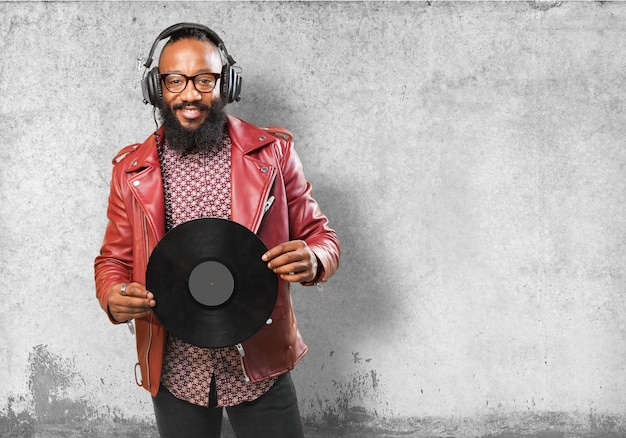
(180, 26)
(231, 80)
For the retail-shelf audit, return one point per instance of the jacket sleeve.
(306, 221)
(114, 263)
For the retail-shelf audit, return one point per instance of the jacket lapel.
(144, 180)
(252, 175)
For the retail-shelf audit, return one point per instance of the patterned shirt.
(198, 185)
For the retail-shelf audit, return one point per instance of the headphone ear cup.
(225, 85)
(231, 84)
(235, 85)
(151, 87)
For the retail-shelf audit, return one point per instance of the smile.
(190, 112)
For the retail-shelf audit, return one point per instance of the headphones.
(230, 84)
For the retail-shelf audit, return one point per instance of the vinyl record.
(210, 285)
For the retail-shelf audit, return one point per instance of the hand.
(292, 261)
(134, 302)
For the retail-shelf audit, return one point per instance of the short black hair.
(190, 33)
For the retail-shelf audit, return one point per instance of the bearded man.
(202, 162)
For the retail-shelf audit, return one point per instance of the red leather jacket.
(263, 163)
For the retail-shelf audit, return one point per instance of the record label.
(211, 283)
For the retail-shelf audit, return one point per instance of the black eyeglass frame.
(216, 76)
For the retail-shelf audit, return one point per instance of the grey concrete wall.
(470, 155)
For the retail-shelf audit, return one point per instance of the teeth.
(191, 110)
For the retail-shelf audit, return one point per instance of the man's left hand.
(292, 261)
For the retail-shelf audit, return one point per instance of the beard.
(207, 136)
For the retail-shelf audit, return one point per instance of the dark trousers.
(275, 414)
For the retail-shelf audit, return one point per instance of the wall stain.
(15, 425)
(374, 379)
(55, 414)
(347, 407)
(50, 411)
(51, 376)
(544, 5)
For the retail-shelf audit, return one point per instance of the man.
(204, 163)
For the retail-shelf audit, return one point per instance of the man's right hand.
(130, 301)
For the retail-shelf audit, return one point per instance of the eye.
(174, 80)
(205, 80)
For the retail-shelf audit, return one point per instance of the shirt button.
(136, 183)
(262, 138)
(264, 169)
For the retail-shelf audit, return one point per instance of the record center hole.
(211, 283)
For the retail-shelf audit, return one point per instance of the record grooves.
(210, 285)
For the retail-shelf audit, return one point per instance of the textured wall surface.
(470, 156)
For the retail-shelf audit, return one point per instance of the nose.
(189, 93)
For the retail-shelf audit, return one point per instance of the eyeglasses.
(176, 83)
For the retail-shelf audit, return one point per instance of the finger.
(289, 258)
(297, 277)
(297, 272)
(281, 249)
(135, 290)
(128, 304)
(290, 268)
(123, 313)
(137, 312)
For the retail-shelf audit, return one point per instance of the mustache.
(198, 105)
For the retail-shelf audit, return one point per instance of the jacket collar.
(146, 155)
(246, 136)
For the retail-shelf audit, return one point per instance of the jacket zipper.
(242, 353)
(139, 383)
(145, 227)
(268, 203)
